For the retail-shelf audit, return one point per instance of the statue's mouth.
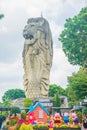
(29, 36)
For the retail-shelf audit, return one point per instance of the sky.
(17, 12)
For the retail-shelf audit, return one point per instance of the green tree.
(56, 100)
(27, 102)
(84, 110)
(77, 88)
(15, 110)
(53, 89)
(1, 16)
(6, 102)
(12, 94)
(74, 39)
(71, 96)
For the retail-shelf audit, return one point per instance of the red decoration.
(57, 118)
(31, 117)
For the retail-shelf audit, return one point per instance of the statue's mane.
(36, 20)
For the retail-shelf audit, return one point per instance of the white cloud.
(61, 68)
(3, 29)
(11, 69)
(11, 76)
(54, 8)
(75, 5)
(56, 29)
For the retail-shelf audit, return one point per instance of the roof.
(32, 108)
(19, 102)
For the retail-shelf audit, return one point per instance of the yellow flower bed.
(26, 127)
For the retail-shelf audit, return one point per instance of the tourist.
(84, 127)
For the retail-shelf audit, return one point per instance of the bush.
(3, 115)
(40, 126)
(13, 122)
(84, 110)
(27, 102)
(79, 115)
(15, 110)
(23, 115)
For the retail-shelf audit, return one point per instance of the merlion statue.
(37, 57)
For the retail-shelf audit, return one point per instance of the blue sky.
(16, 14)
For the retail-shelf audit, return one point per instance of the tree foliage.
(6, 103)
(15, 110)
(53, 89)
(79, 115)
(12, 94)
(56, 100)
(71, 96)
(77, 86)
(74, 39)
(1, 16)
(84, 110)
(27, 102)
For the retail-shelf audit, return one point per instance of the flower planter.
(41, 129)
(58, 129)
(67, 129)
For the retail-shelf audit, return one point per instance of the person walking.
(84, 126)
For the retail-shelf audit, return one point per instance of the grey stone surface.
(37, 57)
(19, 102)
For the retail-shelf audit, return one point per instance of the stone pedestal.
(34, 93)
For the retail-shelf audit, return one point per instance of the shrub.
(15, 110)
(40, 126)
(79, 115)
(23, 115)
(3, 115)
(84, 110)
(27, 102)
(13, 122)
